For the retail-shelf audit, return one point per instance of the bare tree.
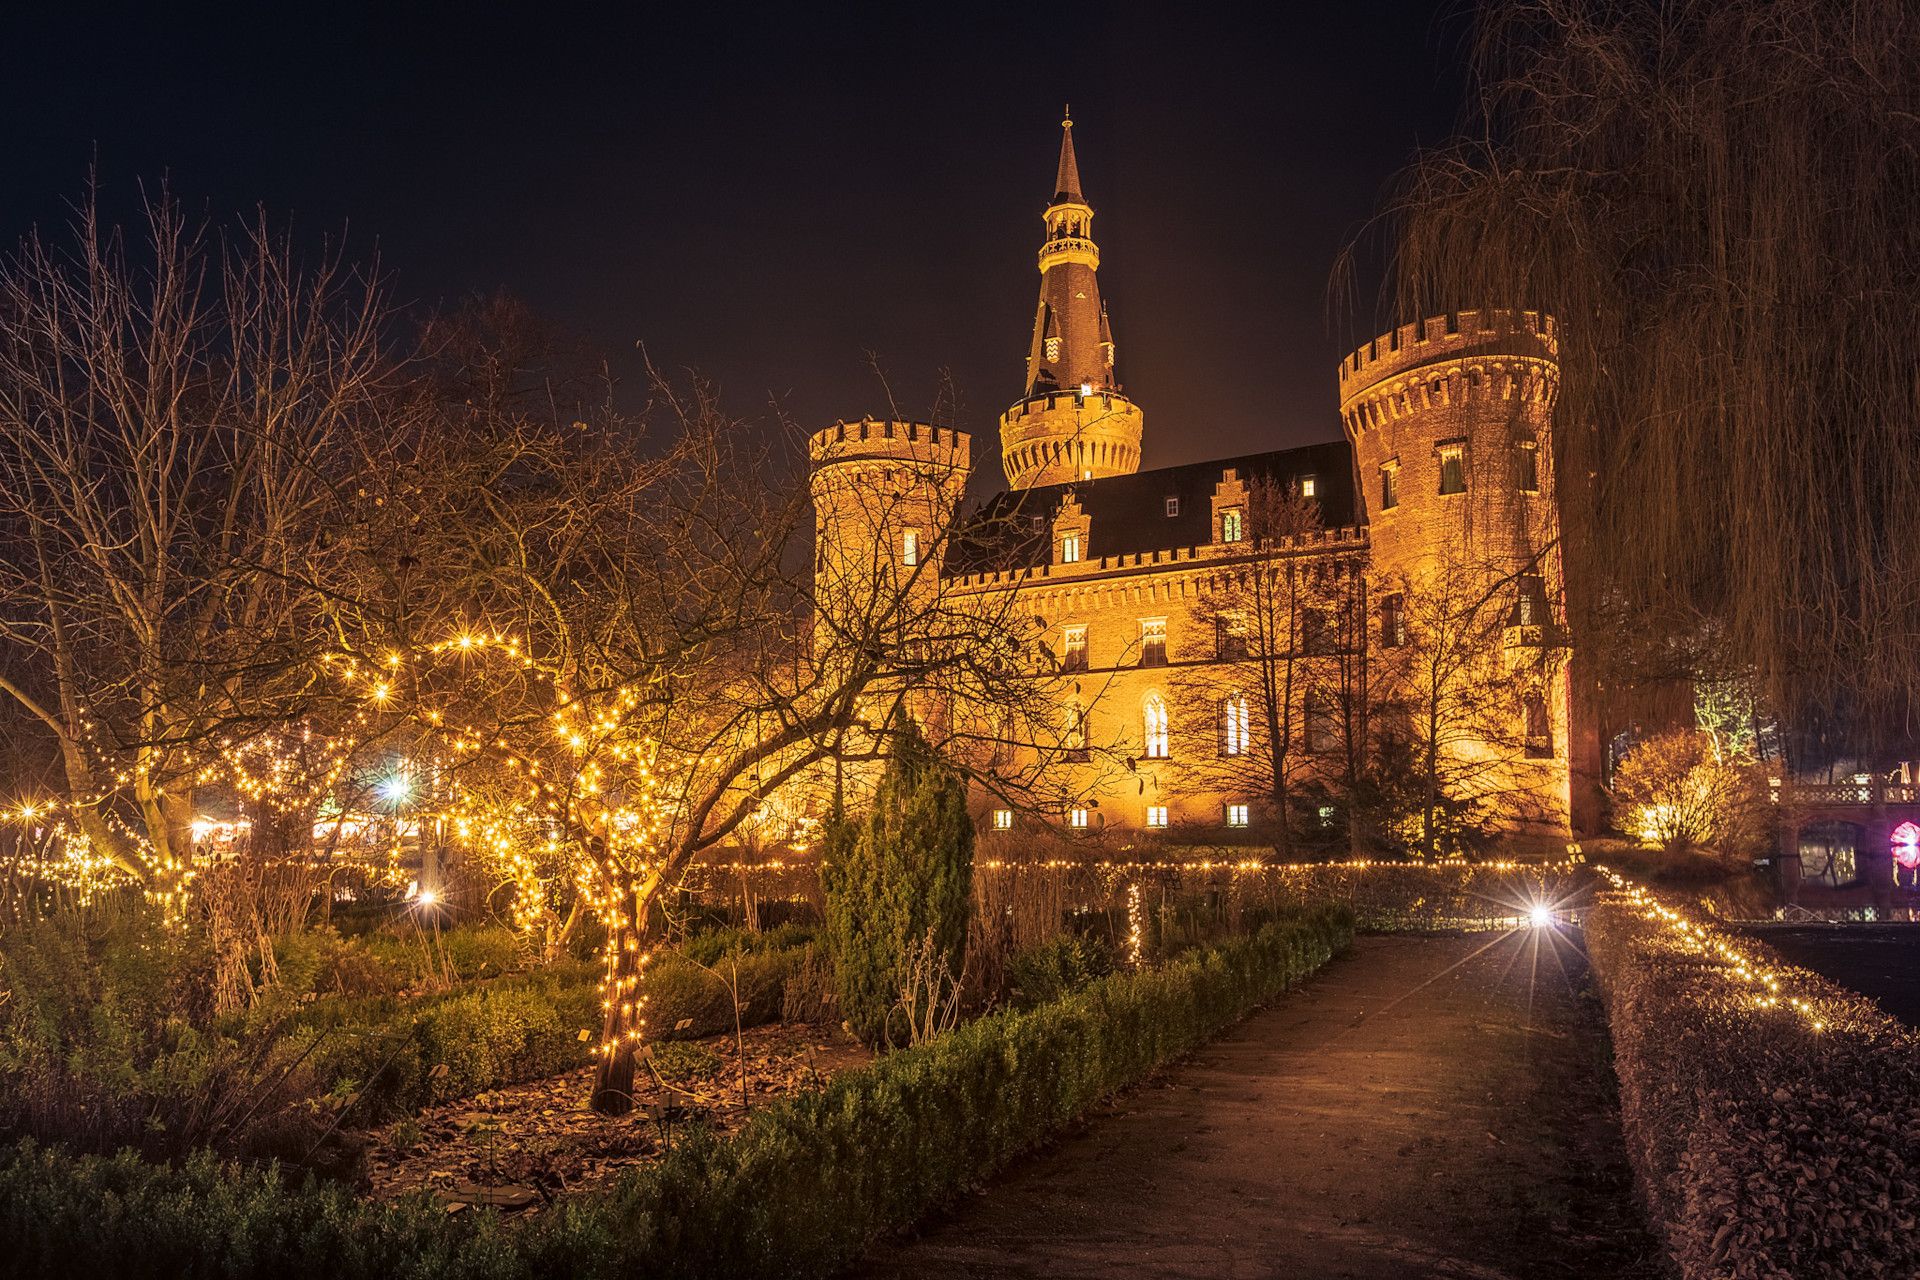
(173, 418)
(1716, 198)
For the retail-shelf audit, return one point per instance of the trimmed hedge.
(803, 1189)
(1763, 1147)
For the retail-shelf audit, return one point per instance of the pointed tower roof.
(1066, 186)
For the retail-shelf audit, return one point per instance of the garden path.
(1426, 1106)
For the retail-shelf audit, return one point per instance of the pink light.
(1906, 845)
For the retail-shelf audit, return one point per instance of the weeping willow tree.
(1721, 201)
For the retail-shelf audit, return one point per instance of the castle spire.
(1066, 186)
(1045, 440)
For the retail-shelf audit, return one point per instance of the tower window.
(1173, 506)
(1153, 642)
(1389, 486)
(1453, 468)
(1069, 548)
(1003, 819)
(1156, 815)
(1539, 726)
(1234, 725)
(1232, 525)
(1526, 468)
(910, 547)
(1076, 732)
(1393, 621)
(1236, 815)
(1053, 349)
(1153, 717)
(1073, 648)
(1309, 486)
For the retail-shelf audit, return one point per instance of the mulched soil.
(519, 1147)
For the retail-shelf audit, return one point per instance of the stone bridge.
(1886, 814)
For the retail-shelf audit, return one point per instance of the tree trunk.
(623, 1021)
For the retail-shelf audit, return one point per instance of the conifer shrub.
(895, 881)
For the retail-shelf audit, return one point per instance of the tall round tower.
(1072, 423)
(1451, 422)
(884, 498)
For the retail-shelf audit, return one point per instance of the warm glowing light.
(1541, 915)
(396, 788)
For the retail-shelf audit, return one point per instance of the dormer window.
(1232, 525)
(1069, 548)
(1173, 507)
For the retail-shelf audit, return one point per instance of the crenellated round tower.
(1072, 423)
(884, 498)
(1451, 421)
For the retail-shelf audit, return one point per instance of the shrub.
(1763, 1146)
(808, 1184)
(902, 875)
(1680, 791)
(1053, 969)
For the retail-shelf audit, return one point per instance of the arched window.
(1234, 725)
(1153, 715)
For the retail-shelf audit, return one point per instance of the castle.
(1224, 640)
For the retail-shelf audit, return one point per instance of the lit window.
(1453, 469)
(1173, 506)
(1308, 486)
(1153, 716)
(1069, 548)
(1003, 819)
(1236, 815)
(910, 547)
(1232, 525)
(1390, 486)
(1393, 621)
(1156, 815)
(1153, 642)
(1073, 648)
(1077, 819)
(1234, 725)
(1526, 468)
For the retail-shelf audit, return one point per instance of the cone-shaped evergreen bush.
(893, 877)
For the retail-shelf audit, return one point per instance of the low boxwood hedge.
(1764, 1146)
(802, 1190)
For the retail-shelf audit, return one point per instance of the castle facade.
(1235, 645)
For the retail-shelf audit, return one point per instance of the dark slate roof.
(1128, 514)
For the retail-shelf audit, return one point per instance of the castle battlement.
(1070, 398)
(913, 443)
(1319, 541)
(1454, 336)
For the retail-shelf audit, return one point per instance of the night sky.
(767, 195)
